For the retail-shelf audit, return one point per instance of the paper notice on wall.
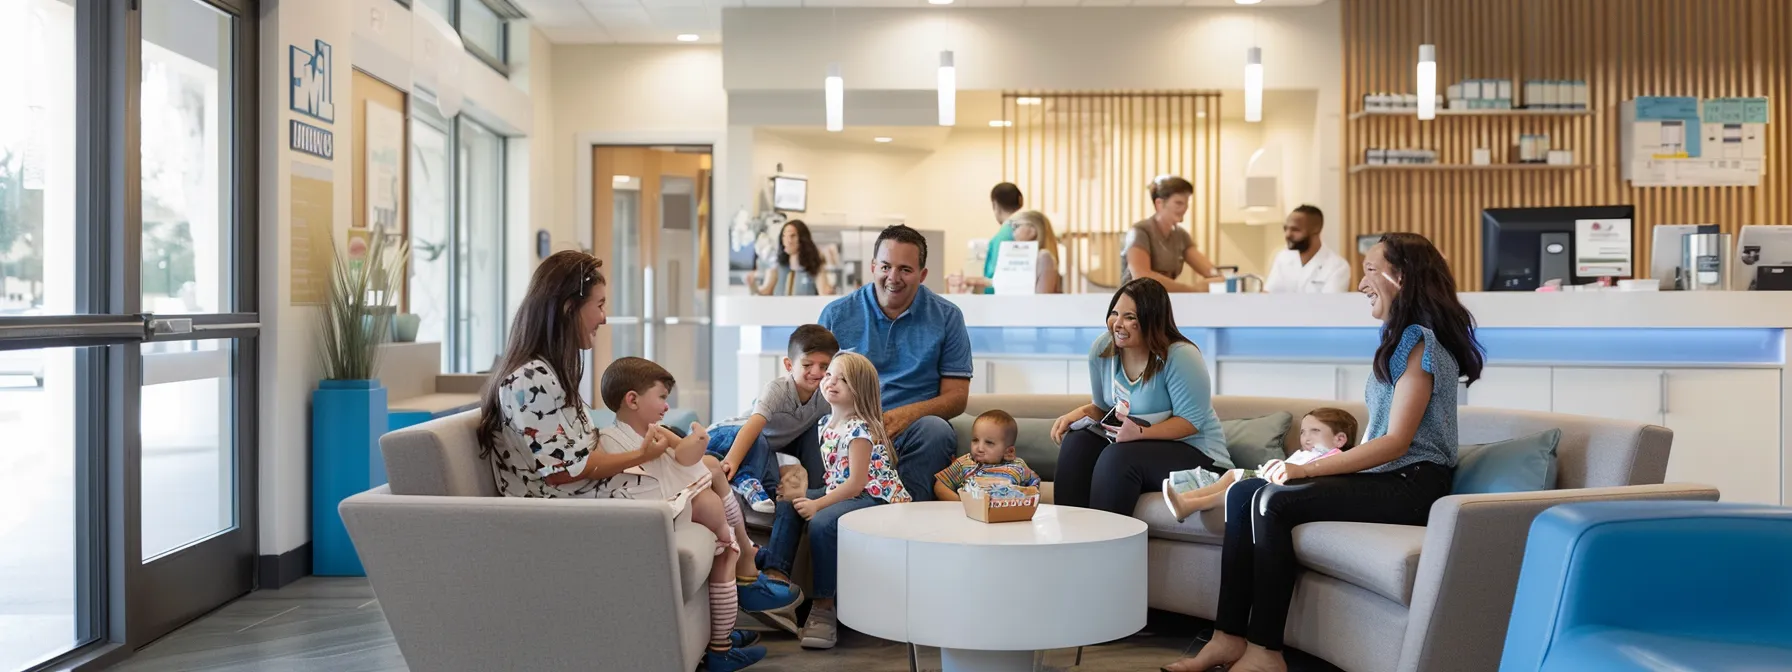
(309, 241)
(1602, 248)
(385, 161)
(1017, 267)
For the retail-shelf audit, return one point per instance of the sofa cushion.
(1524, 464)
(1376, 557)
(1253, 441)
(1206, 527)
(1032, 443)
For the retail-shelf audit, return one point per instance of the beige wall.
(626, 94)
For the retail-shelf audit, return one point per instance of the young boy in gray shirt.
(786, 410)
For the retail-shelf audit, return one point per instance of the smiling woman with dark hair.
(1427, 347)
(800, 270)
(1151, 385)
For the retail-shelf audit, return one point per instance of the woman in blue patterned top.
(1407, 462)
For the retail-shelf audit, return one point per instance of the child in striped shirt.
(992, 454)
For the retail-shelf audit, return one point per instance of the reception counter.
(1708, 365)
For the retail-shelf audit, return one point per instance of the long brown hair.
(546, 328)
(860, 376)
(1157, 325)
(1427, 298)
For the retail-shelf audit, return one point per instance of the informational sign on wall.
(309, 246)
(1689, 142)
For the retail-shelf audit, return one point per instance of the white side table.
(991, 595)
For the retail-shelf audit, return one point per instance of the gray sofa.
(472, 581)
(1383, 598)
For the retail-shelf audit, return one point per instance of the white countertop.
(1491, 309)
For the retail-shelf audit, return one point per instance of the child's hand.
(807, 507)
(652, 448)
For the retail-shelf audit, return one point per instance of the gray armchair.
(469, 580)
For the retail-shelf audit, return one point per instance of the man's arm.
(1139, 262)
(954, 394)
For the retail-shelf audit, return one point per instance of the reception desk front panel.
(1709, 366)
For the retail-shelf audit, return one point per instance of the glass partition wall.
(128, 322)
(457, 236)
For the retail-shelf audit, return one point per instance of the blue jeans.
(824, 540)
(759, 462)
(922, 450)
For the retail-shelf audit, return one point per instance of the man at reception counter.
(921, 349)
(1307, 266)
(1004, 200)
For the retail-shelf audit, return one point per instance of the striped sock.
(731, 509)
(724, 607)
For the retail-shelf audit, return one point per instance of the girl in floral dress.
(860, 472)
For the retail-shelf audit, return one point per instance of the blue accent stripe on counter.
(1568, 346)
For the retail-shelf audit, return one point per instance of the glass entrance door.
(651, 217)
(128, 321)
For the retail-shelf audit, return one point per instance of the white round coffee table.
(989, 595)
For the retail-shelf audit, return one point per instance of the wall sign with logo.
(1691, 142)
(311, 92)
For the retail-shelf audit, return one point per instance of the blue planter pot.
(347, 419)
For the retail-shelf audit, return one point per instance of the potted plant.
(348, 408)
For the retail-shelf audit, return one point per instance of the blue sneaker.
(738, 658)
(743, 638)
(751, 490)
(771, 602)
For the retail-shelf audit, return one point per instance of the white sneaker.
(819, 632)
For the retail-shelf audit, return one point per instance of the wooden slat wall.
(1086, 160)
(1622, 48)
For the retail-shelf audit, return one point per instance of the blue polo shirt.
(912, 352)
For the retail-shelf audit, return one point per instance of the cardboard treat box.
(998, 501)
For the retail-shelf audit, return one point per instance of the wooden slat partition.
(1086, 160)
(1623, 49)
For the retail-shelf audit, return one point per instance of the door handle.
(1662, 382)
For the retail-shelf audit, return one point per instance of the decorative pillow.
(1524, 464)
(1253, 441)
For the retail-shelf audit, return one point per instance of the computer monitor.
(1525, 248)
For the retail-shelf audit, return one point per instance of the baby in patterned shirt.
(992, 454)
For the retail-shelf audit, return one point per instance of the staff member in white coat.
(1307, 266)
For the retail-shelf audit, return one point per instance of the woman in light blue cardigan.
(1141, 369)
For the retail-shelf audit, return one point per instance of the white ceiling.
(661, 21)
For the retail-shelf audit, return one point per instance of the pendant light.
(835, 89)
(1427, 82)
(1427, 72)
(1253, 85)
(948, 90)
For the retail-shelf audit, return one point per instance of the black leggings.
(1257, 566)
(1095, 474)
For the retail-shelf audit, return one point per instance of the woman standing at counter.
(1142, 369)
(1407, 463)
(807, 277)
(1156, 248)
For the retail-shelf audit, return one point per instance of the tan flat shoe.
(1172, 500)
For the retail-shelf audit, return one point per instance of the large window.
(457, 237)
(483, 26)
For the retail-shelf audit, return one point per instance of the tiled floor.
(336, 625)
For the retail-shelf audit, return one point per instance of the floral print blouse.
(836, 455)
(543, 435)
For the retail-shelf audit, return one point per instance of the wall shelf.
(1439, 167)
(1473, 113)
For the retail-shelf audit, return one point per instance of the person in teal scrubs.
(1004, 200)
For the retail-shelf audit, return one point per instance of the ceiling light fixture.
(687, 37)
(883, 139)
(1253, 85)
(835, 89)
(1000, 123)
(1427, 82)
(1247, 2)
(948, 90)
(1029, 100)
(939, 2)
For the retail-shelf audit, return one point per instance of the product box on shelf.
(995, 500)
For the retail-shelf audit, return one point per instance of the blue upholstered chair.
(1654, 586)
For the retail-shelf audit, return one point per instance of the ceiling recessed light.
(1200, 115)
(1000, 123)
(1247, 2)
(939, 2)
(687, 37)
(883, 139)
(1029, 100)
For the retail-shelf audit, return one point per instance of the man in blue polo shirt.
(921, 349)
